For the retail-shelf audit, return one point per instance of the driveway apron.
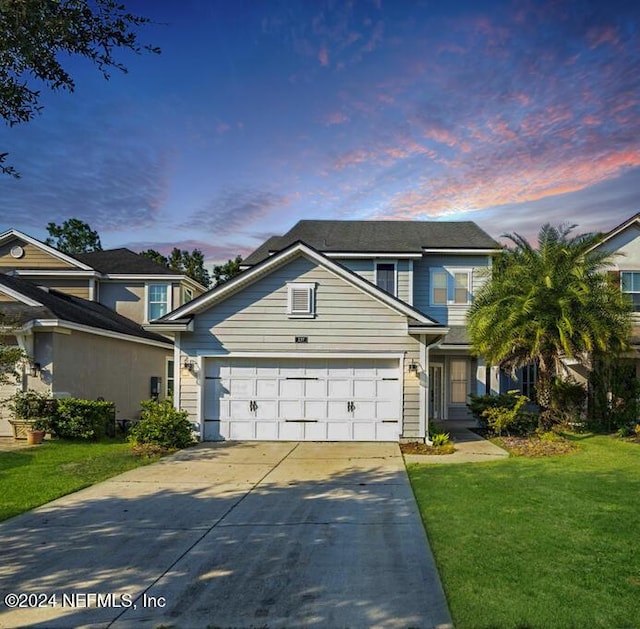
(241, 534)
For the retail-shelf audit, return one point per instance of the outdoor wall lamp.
(34, 369)
(189, 365)
(413, 366)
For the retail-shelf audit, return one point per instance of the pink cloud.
(335, 118)
(600, 35)
(323, 56)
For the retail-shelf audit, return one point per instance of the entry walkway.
(470, 448)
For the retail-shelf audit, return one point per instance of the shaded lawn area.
(34, 476)
(538, 543)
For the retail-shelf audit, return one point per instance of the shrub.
(440, 439)
(510, 419)
(480, 403)
(162, 425)
(82, 419)
(31, 405)
(567, 401)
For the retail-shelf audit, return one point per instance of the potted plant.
(31, 411)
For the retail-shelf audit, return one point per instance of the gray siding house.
(337, 330)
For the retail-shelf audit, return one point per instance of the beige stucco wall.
(347, 320)
(92, 366)
(128, 298)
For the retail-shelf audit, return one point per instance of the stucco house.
(79, 320)
(337, 330)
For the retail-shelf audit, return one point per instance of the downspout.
(425, 372)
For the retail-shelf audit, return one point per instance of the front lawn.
(34, 476)
(538, 542)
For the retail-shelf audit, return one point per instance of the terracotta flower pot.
(35, 437)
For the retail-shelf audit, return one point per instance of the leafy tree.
(10, 355)
(542, 305)
(224, 272)
(35, 35)
(73, 236)
(182, 261)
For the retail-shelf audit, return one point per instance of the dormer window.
(301, 300)
(386, 277)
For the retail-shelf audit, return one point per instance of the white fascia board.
(463, 252)
(169, 326)
(157, 279)
(69, 325)
(14, 233)
(61, 273)
(423, 329)
(279, 259)
(27, 301)
(346, 254)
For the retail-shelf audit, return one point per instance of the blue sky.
(258, 114)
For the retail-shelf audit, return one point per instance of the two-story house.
(337, 330)
(79, 321)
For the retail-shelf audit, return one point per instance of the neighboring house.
(79, 319)
(624, 242)
(338, 330)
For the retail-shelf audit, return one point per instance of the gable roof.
(184, 313)
(52, 304)
(378, 237)
(123, 260)
(14, 233)
(618, 229)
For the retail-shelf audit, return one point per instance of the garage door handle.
(253, 405)
(351, 406)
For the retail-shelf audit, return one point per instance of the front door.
(435, 392)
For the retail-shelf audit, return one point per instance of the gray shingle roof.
(377, 237)
(57, 305)
(122, 261)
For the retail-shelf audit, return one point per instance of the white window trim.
(311, 288)
(450, 271)
(173, 376)
(169, 301)
(395, 274)
(186, 290)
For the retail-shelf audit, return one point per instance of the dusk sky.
(258, 114)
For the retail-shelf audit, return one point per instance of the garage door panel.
(239, 409)
(315, 409)
(291, 388)
(266, 409)
(241, 430)
(364, 431)
(387, 431)
(387, 410)
(339, 388)
(364, 388)
(267, 388)
(364, 409)
(239, 387)
(339, 431)
(292, 431)
(290, 409)
(315, 388)
(267, 431)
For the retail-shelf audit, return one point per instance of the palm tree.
(542, 305)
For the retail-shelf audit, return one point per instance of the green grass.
(34, 476)
(538, 543)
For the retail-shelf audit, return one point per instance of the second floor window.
(157, 301)
(630, 282)
(450, 287)
(386, 277)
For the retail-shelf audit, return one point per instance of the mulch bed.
(535, 447)
(423, 448)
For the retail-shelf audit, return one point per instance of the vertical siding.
(347, 320)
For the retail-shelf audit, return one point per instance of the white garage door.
(309, 399)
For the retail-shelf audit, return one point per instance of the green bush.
(32, 405)
(510, 419)
(480, 403)
(440, 438)
(162, 425)
(568, 401)
(82, 419)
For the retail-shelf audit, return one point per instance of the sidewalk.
(470, 448)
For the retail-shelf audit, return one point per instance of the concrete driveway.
(230, 535)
